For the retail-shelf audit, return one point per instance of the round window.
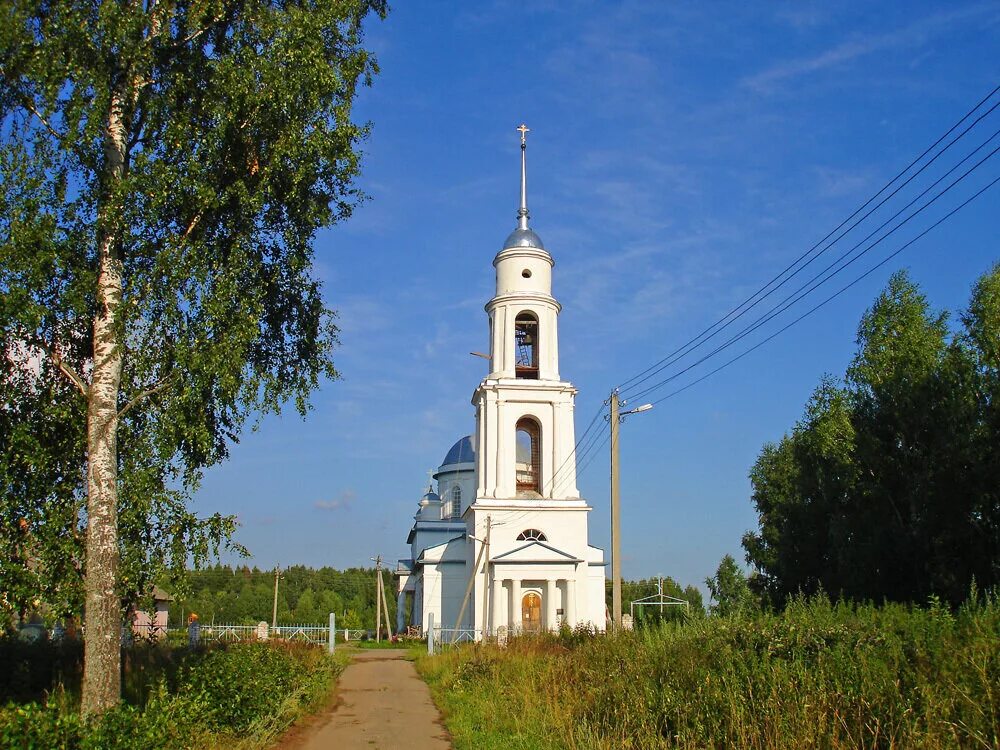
(526, 273)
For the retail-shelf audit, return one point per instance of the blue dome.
(461, 452)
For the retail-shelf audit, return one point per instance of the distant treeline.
(245, 595)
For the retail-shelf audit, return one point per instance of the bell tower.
(528, 559)
(525, 437)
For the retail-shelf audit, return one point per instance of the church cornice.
(523, 252)
(532, 389)
(529, 297)
(525, 503)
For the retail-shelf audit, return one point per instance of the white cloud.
(915, 34)
(342, 502)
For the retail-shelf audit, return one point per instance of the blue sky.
(680, 155)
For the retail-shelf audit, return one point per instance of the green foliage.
(730, 589)
(647, 587)
(241, 696)
(887, 489)
(32, 668)
(191, 150)
(244, 595)
(815, 675)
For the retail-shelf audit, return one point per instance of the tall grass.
(237, 697)
(818, 675)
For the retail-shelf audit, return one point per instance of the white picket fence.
(197, 632)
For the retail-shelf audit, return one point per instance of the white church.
(503, 540)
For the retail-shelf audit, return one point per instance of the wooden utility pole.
(616, 531)
(385, 605)
(274, 609)
(486, 577)
(615, 417)
(378, 598)
(468, 589)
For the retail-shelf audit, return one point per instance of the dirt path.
(382, 705)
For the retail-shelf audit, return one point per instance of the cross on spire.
(522, 212)
(430, 479)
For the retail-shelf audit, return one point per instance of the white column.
(495, 613)
(569, 606)
(514, 613)
(550, 605)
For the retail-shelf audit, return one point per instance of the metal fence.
(441, 639)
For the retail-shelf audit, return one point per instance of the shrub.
(184, 700)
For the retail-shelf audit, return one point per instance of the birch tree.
(165, 166)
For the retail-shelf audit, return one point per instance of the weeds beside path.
(816, 675)
(381, 704)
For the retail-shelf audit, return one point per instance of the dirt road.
(382, 705)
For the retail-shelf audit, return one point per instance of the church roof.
(536, 552)
(461, 452)
(523, 238)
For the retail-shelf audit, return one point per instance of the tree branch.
(65, 369)
(144, 395)
(30, 106)
(191, 225)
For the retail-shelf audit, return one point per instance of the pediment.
(536, 552)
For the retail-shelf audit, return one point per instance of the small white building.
(513, 481)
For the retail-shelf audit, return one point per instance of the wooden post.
(274, 609)
(486, 579)
(616, 531)
(385, 605)
(468, 590)
(378, 599)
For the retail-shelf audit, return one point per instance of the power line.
(836, 294)
(686, 349)
(799, 294)
(572, 454)
(648, 372)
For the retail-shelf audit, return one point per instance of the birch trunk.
(102, 618)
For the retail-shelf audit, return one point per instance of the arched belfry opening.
(526, 345)
(528, 462)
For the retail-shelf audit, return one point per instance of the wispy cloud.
(915, 34)
(343, 501)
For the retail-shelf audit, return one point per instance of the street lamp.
(616, 417)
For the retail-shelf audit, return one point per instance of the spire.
(522, 212)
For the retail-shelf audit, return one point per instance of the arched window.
(527, 465)
(531, 535)
(526, 345)
(456, 502)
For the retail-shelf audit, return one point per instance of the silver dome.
(429, 497)
(523, 238)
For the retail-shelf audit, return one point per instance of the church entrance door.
(531, 613)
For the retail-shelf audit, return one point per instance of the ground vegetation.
(817, 674)
(235, 696)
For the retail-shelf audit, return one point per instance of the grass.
(235, 697)
(818, 675)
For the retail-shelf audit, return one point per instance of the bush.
(242, 685)
(187, 700)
